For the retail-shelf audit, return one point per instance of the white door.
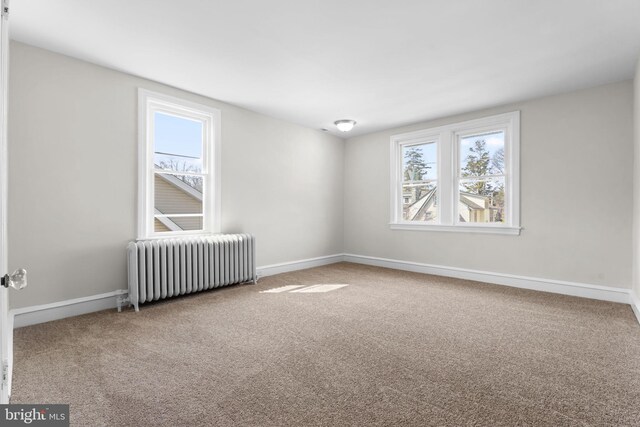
(6, 329)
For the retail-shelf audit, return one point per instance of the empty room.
(320, 213)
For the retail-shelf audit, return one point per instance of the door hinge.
(5, 374)
(5, 7)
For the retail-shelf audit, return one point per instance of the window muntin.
(420, 181)
(481, 178)
(178, 173)
(475, 182)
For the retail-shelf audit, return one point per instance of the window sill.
(483, 229)
(182, 235)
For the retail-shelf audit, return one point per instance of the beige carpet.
(392, 348)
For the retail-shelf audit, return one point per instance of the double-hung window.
(178, 167)
(458, 177)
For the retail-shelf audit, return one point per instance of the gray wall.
(636, 184)
(73, 177)
(576, 187)
(73, 182)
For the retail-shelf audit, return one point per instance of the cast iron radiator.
(166, 268)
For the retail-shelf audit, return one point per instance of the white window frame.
(447, 138)
(148, 104)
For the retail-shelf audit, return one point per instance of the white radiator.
(160, 269)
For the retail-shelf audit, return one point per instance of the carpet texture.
(391, 348)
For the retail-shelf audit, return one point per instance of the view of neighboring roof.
(421, 205)
(417, 211)
(180, 184)
(175, 196)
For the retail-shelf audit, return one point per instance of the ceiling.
(382, 63)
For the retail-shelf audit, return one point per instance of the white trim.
(303, 264)
(494, 120)
(74, 307)
(148, 103)
(485, 229)
(142, 172)
(59, 310)
(584, 290)
(447, 138)
(635, 304)
(6, 333)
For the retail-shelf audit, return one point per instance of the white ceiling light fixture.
(345, 125)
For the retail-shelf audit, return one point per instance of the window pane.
(481, 200)
(482, 155)
(177, 194)
(177, 143)
(182, 223)
(420, 162)
(419, 202)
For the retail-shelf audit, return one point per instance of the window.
(178, 167)
(420, 182)
(459, 177)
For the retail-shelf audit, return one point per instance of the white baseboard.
(74, 307)
(584, 290)
(59, 310)
(303, 264)
(635, 304)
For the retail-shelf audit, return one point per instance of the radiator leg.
(135, 306)
(120, 301)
